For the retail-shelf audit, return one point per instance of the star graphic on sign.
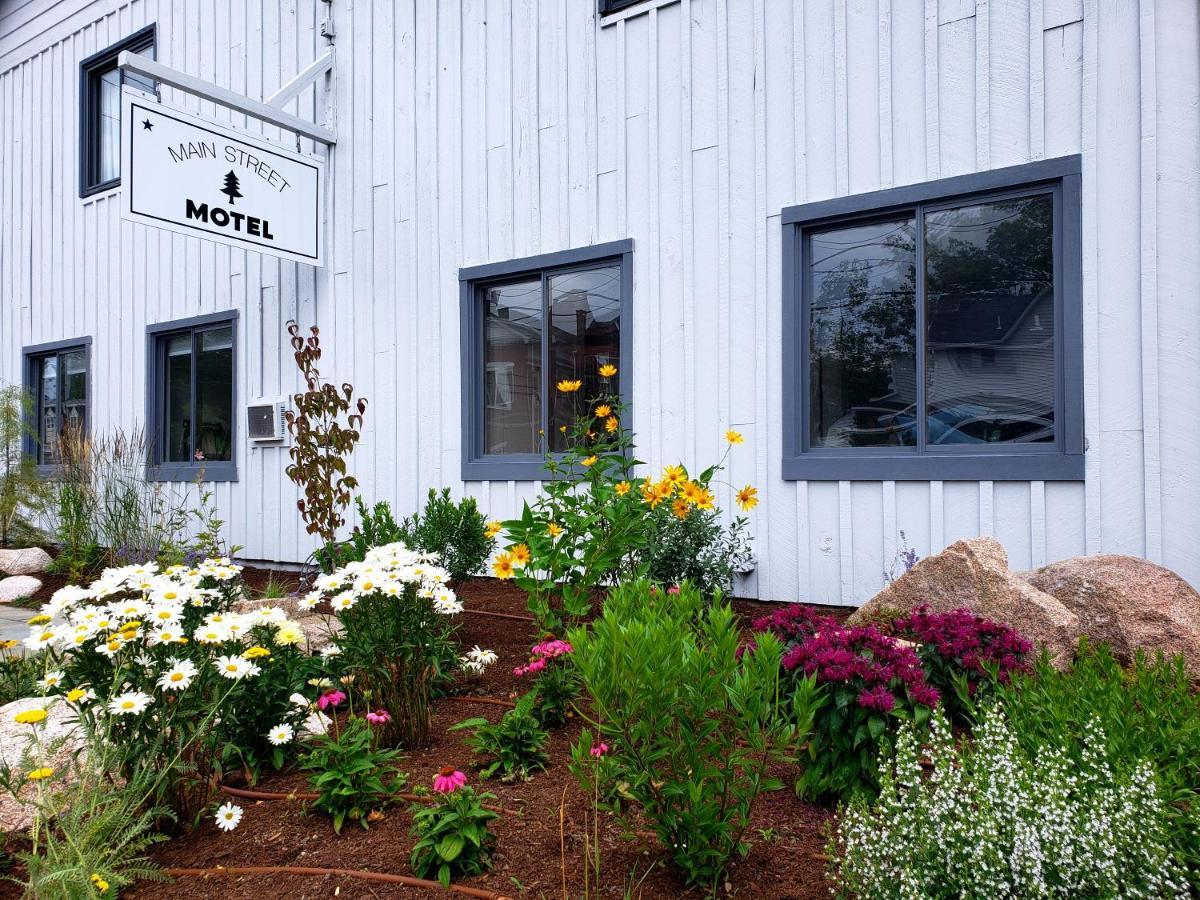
(147, 124)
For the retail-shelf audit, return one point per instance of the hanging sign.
(194, 176)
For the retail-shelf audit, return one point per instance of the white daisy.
(236, 667)
(310, 600)
(131, 703)
(281, 734)
(212, 634)
(331, 650)
(41, 637)
(228, 816)
(483, 657)
(51, 679)
(179, 676)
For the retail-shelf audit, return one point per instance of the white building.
(1012, 352)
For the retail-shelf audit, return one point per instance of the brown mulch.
(540, 850)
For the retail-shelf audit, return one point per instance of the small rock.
(17, 587)
(319, 630)
(29, 561)
(289, 604)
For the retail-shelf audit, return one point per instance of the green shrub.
(350, 776)
(691, 728)
(1148, 711)
(697, 548)
(376, 527)
(514, 747)
(990, 821)
(453, 837)
(456, 532)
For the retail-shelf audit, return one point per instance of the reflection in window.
(197, 372)
(989, 368)
(513, 342)
(586, 322)
(863, 335)
(100, 135)
(988, 347)
(60, 400)
(523, 359)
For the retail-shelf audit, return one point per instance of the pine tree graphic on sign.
(231, 188)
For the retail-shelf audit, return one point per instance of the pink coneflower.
(379, 717)
(673, 589)
(599, 750)
(330, 698)
(448, 780)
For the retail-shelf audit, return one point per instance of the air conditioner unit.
(266, 421)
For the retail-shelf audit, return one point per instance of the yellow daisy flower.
(502, 568)
(520, 555)
(608, 370)
(680, 508)
(747, 497)
(256, 653)
(622, 488)
(554, 529)
(610, 424)
(734, 437)
(603, 411)
(39, 774)
(30, 717)
(493, 528)
(40, 619)
(590, 461)
(569, 385)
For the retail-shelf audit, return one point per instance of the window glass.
(862, 358)
(74, 392)
(989, 368)
(108, 126)
(214, 394)
(178, 431)
(48, 410)
(586, 333)
(512, 337)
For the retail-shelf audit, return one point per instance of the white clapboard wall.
(475, 131)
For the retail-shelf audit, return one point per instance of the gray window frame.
(476, 465)
(608, 7)
(156, 342)
(1064, 461)
(30, 378)
(90, 71)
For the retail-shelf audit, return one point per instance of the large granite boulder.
(1126, 602)
(28, 561)
(974, 574)
(59, 738)
(17, 587)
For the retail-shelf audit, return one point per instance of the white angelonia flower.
(179, 676)
(281, 734)
(130, 703)
(228, 816)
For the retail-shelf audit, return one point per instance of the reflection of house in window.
(499, 385)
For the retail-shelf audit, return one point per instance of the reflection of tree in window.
(586, 323)
(61, 393)
(990, 322)
(863, 330)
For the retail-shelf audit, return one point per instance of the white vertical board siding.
(474, 131)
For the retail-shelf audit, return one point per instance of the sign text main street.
(194, 176)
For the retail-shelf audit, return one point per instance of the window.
(191, 396)
(56, 379)
(100, 111)
(527, 325)
(933, 331)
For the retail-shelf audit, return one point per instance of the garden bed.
(787, 836)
